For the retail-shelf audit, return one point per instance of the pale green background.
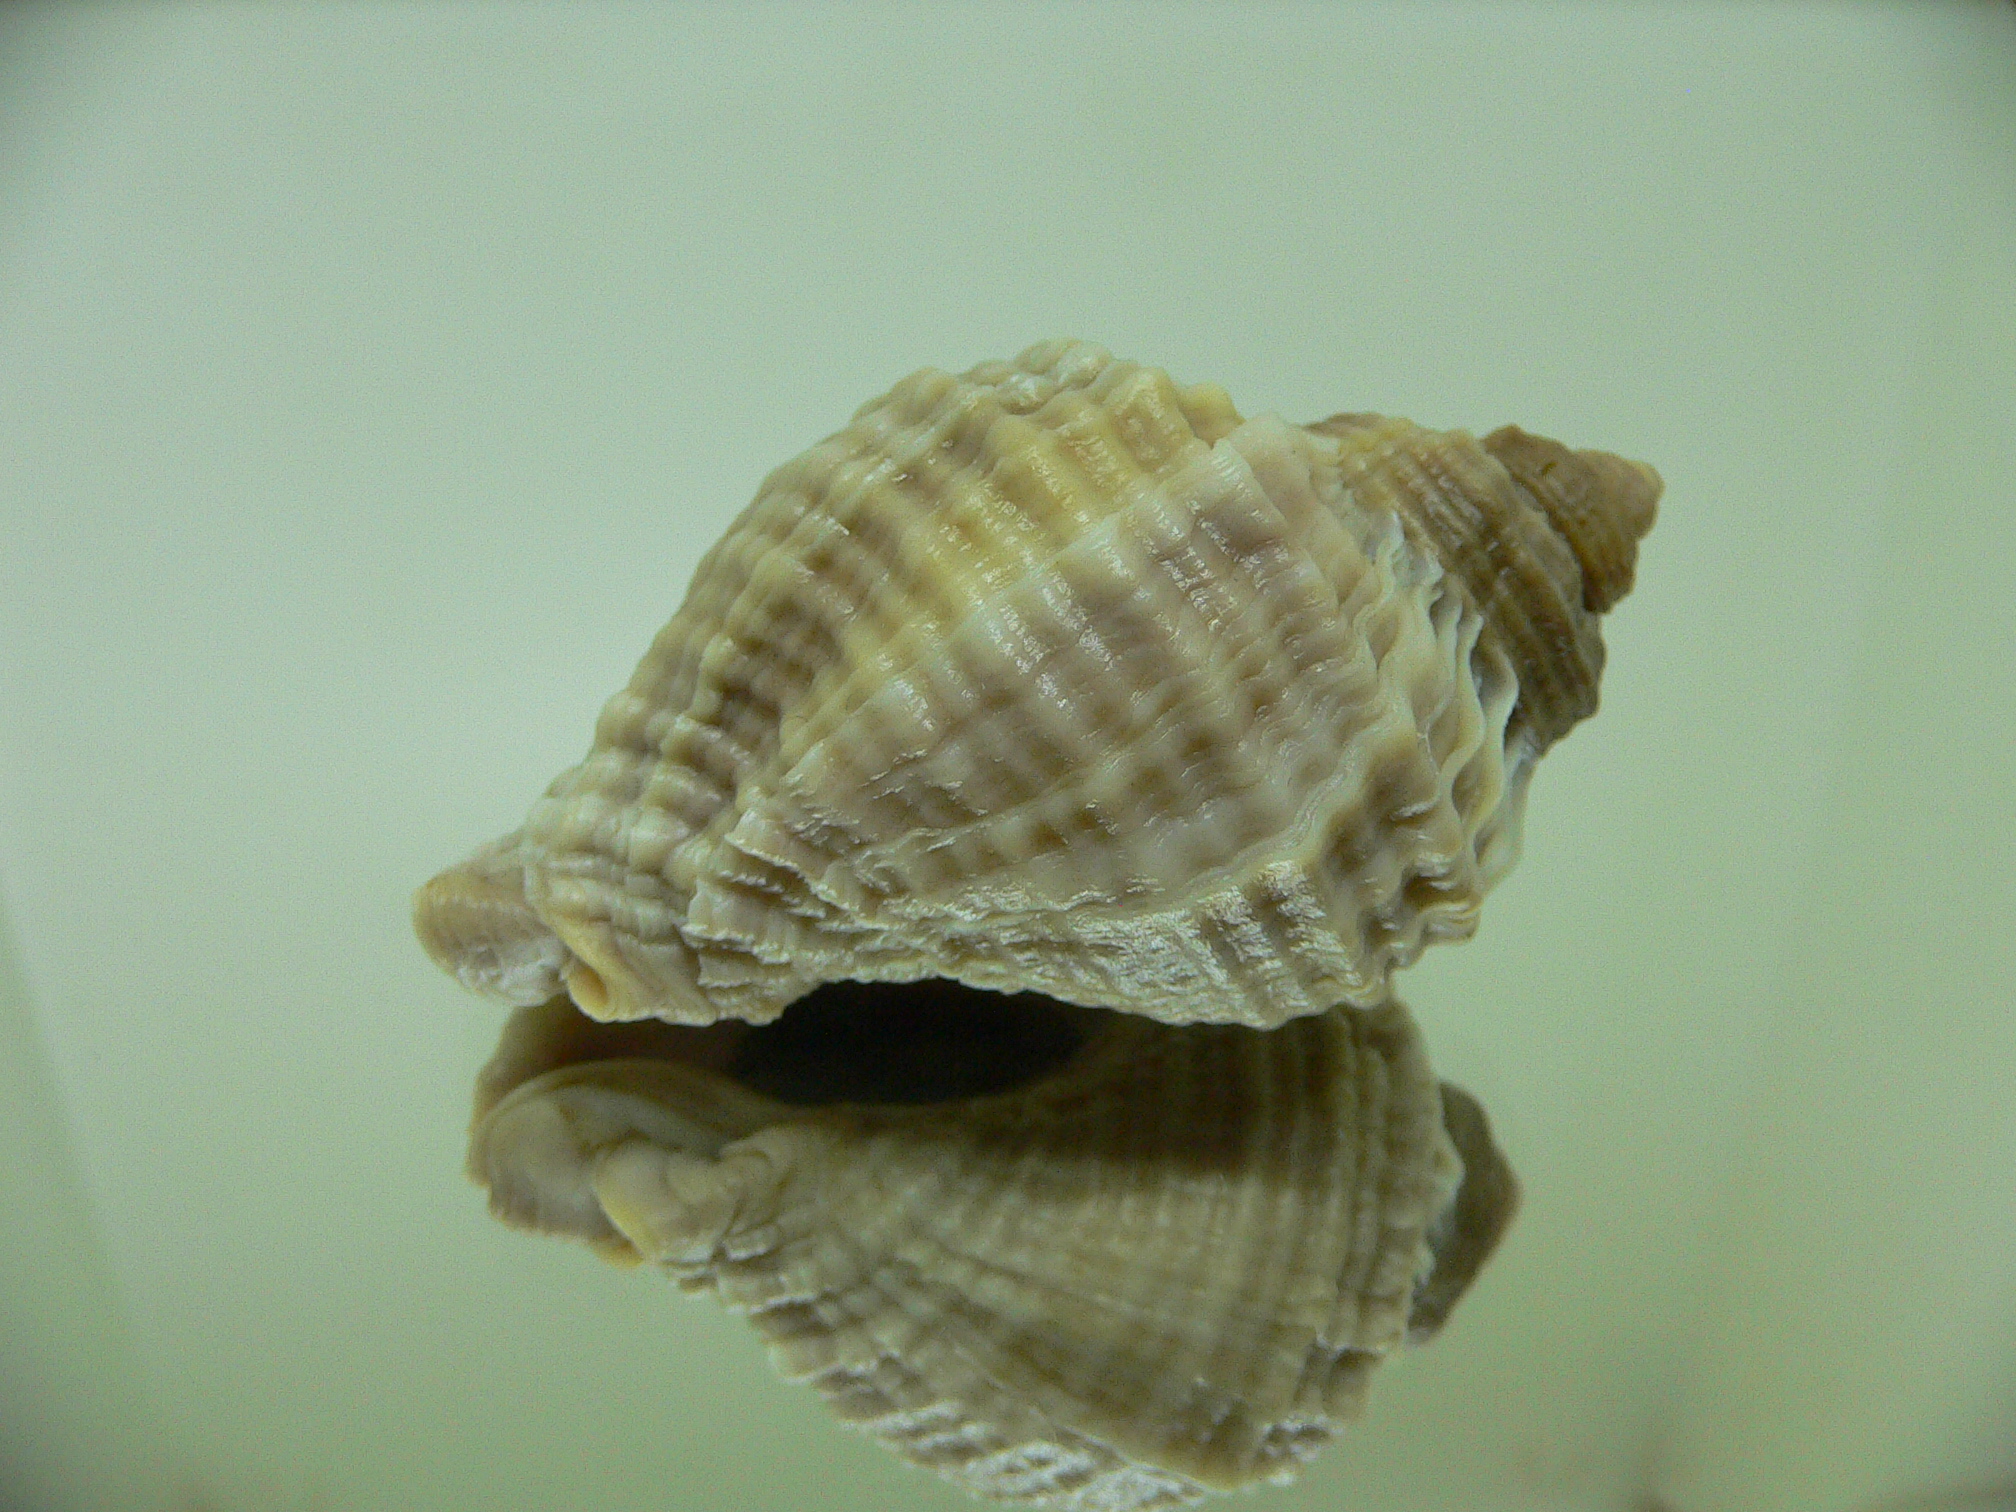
(371, 378)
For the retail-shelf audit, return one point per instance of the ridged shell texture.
(1060, 676)
(966, 948)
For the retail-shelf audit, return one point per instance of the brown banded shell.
(1061, 676)
(1052, 684)
(1068, 1257)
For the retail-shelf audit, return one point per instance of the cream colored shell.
(1166, 1262)
(1060, 676)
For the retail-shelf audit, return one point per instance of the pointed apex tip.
(1602, 505)
(1630, 489)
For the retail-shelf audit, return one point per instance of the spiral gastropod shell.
(1059, 676)
(966, 948)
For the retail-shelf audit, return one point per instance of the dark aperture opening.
(908, 1042)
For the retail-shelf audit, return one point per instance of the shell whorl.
(1544, 539)
(1059, 676)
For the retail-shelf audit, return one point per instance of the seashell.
(1064, 1256)
(1059, 676)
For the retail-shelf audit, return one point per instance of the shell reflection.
(1064, 1255)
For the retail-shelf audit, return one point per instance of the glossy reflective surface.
(370, 381)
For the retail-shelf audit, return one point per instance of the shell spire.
(1060, 676)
